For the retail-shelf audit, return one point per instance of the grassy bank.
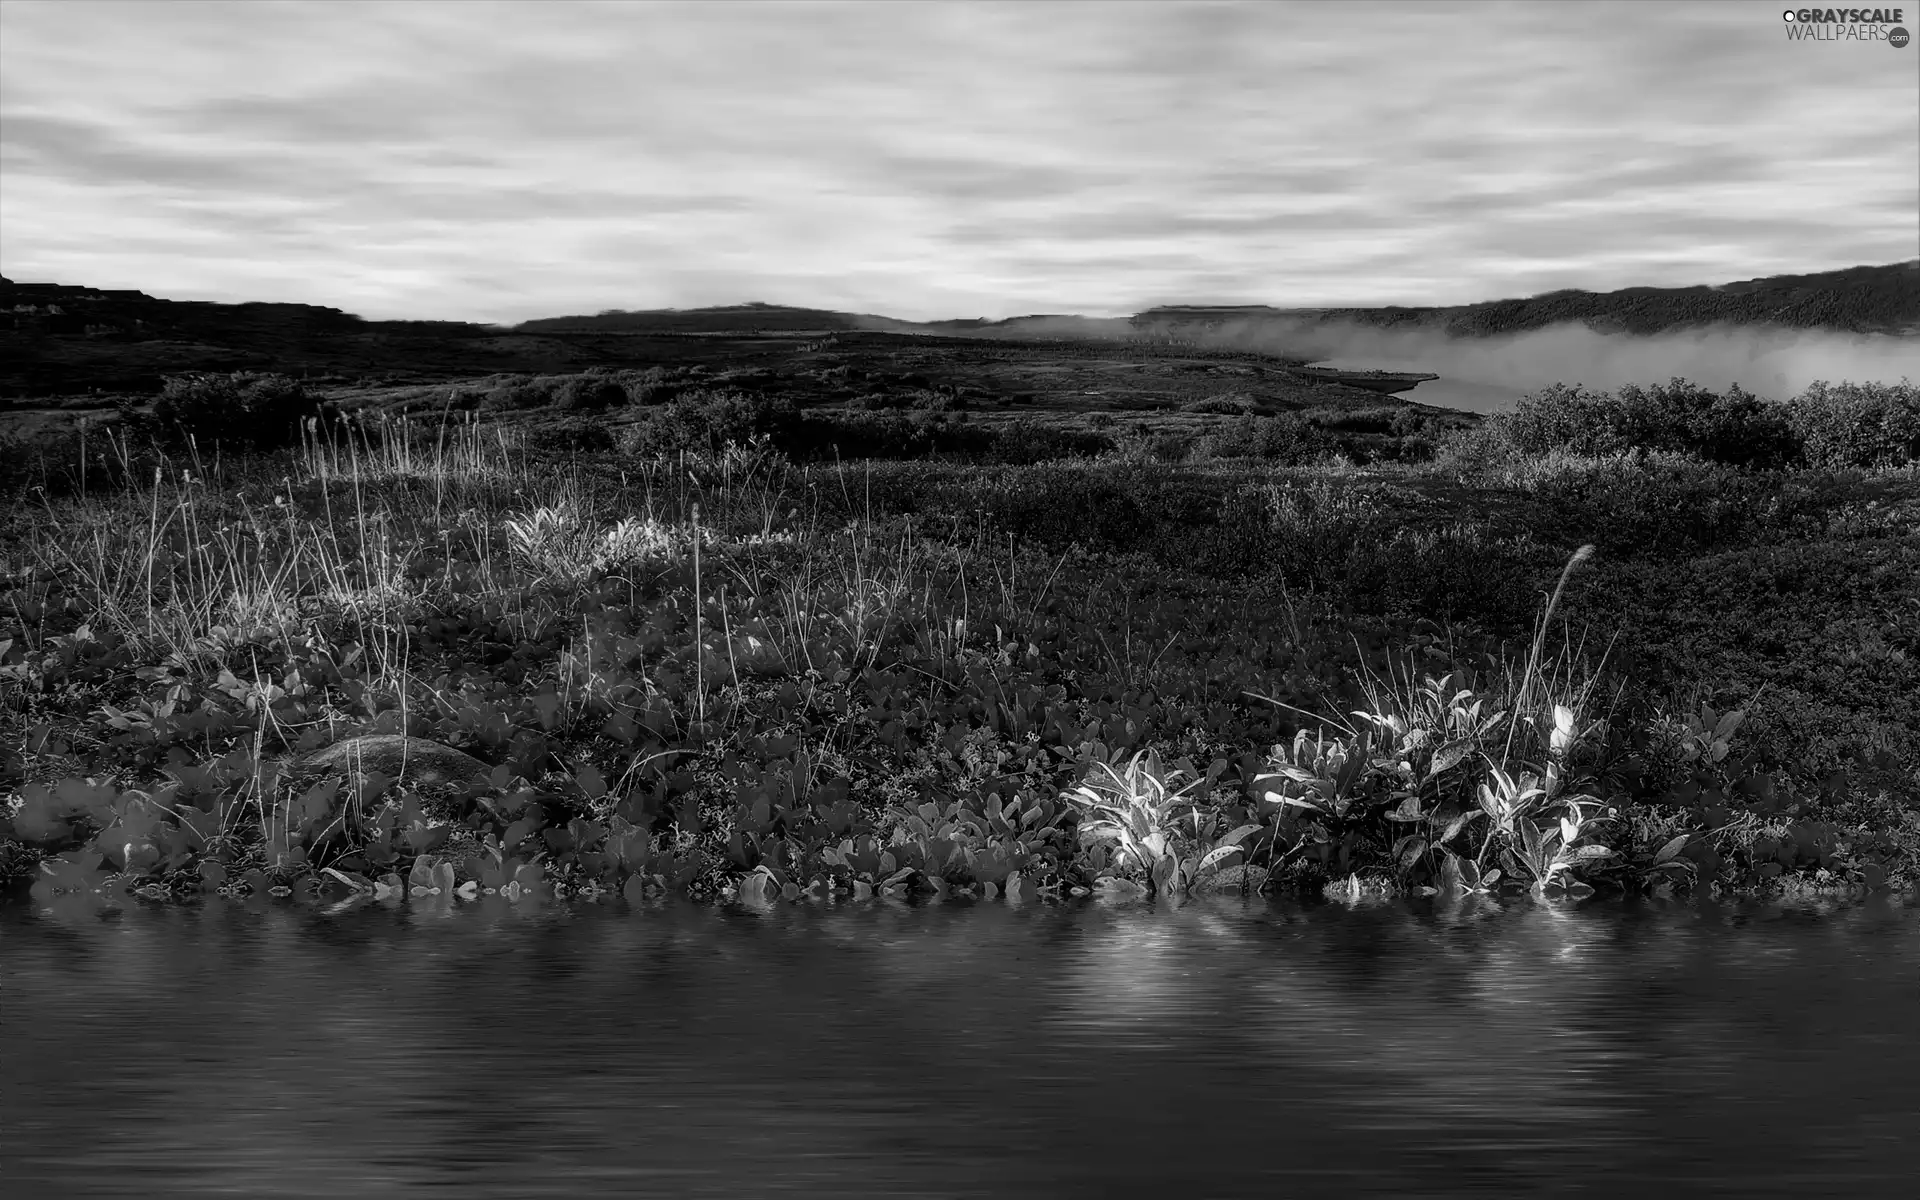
(1666, 641)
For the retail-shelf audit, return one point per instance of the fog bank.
(1487, 374)
(1491, 374)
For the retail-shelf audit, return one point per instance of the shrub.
(513, 396)
(1284, 439)
(1055, 505)
(1170, 447)
(1737, 428)
(825, 436)
(655, 385)
(1026, 442)
(1665, 502)
(1857, 424)
(1411, 422)
(1742, 430)
(706, 419)
(1230, 404)
(1361, 420)
(575, 435)
(1558, 418)
(259, 409)
(589, 393)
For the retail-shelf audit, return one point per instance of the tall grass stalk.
(1533, 657)
(699, 641)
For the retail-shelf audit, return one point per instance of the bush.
(1411, 423)
(1857, 425)
(825, 436)
(262, 410)
(1559, 418)
(705, 420)
(655, 385)
(1230, 404)
(1170, 447)
(513, 397)
(1662, 503)
(1736, 429)
(1283, 439)
(574, 435)
(588, 393)
(1361, 420)
(1025, 442)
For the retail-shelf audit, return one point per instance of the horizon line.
(1911, 263)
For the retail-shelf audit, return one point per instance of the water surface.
(1464, 395)
(1216, 1048)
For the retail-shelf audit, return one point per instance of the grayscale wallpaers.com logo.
(1846, 25)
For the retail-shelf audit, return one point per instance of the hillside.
(1882, 299)
(730, 318)
(62, 339)
(59, 339)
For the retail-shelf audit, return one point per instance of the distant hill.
(778, 318)
(1884, 299)
(62, 339)
(729, 318)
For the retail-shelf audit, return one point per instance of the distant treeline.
(1883, 299)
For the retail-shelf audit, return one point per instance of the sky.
(502, 161)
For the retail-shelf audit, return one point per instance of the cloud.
(905, 158)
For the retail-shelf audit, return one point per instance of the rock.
(400, 758)
(1236, 878)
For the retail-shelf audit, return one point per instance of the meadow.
(625, 632)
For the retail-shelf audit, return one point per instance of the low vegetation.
(713, 642)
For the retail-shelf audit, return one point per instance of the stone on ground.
(398, 757)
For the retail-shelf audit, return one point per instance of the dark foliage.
(1230, 404)
(1286, 439)
(704, 421)
(262, 410)
(510, 397)
(589, 393)
(1867, 425)
(1871, 425)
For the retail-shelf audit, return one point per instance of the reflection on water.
(1213, 1048)
(1444, 392)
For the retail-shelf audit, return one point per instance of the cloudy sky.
(503, 161)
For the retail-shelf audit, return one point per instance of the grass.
(720, 669)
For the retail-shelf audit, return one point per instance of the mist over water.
(1491, 374)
